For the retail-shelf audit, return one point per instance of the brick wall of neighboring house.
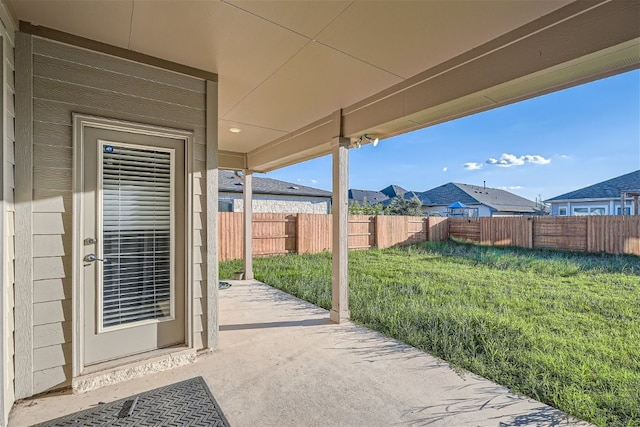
(263, 203)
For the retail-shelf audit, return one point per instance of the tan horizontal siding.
(46, 200)
(54, 134)
(65, 52)
(45, 110)
(51, 156)
(51, 357)
(52, 178)
(74, 95)
(51, 334)
(50, 245)
(51, 290)
(53, 378)
(83, 75)
(51, 312)
(70, 80)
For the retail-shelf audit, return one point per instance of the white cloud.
(507, 160)
(445, 169)
(512, 187)
(472, 166)
(313, 181)
(538, 160)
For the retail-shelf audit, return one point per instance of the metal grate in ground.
(187, 403)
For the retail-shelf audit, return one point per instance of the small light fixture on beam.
(366, 138)
(372, 140)
(235, 130)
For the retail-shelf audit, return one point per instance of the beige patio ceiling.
(294, 74)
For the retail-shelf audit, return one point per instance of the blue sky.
(542, 147)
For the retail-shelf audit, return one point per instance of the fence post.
(377, 228)
(425, 224)
(298, 234)
(587, 230)
(531, 231)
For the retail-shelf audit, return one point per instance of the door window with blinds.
(136, 200)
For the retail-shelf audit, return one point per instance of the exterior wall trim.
(24, 218)
(80, 122)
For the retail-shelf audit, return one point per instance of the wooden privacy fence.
(608, 234)
(311, 233)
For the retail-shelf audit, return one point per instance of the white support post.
(212, 215)
(340, 212)
(247, 229)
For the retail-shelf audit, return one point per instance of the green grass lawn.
(563, 328)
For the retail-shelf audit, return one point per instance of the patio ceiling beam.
(340, 248)
(557, 38)
(306, 143)
(556, 51)
(72, 39)
(232, 160)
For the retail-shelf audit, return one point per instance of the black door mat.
(187, 403)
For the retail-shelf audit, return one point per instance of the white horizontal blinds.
(136, 209)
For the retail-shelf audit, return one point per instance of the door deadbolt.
(89, 241)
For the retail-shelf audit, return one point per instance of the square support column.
(212, 215)
(247, 224)
(340, 212)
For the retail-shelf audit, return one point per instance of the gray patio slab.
(281, 362)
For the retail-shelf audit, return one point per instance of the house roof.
(230, 183)
(495, 198)
(294, 75)
(393, 191)
(609, 189)
(372, 197)
(444, 195)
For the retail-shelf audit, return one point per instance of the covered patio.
(282, 362)
(248, 86)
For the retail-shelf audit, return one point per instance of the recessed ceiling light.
(235, 130)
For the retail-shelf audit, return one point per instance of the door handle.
(93, 257)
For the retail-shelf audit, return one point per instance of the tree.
(365, 209)
(401, 206)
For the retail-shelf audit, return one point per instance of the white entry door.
(133, 250)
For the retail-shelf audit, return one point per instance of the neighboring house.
(484, 201)
(603, 198)
(368, 197)
(271, 196)
(383, 197)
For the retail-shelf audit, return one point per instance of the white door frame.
(80, 122)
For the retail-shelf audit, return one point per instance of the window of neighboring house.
(562, 212)
(627, 211)
(581, 211)
(590, 211)
(225, 206)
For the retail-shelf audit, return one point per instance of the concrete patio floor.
(281, 362)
